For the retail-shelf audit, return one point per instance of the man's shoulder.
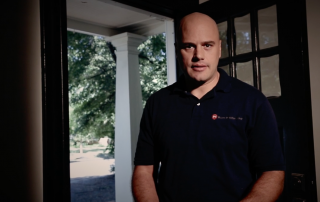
(163, 93)
(239, 89)
(245, 90)
(166, 91)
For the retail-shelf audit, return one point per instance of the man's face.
(199, 49)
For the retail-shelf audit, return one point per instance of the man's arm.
(143, 186)
(267, 188)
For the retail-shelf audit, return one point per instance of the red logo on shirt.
(214, 116)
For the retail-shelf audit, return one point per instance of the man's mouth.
(198, 67)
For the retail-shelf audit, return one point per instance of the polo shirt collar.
(223, 85)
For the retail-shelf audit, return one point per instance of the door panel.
(291, 99)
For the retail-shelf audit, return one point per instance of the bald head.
(198, 50)
(197, 21)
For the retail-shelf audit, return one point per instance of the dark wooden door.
(265, 45)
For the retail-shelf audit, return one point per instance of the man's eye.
(188, 47)
(207, 45)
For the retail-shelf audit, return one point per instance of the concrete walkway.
(90, 177)
(93, 189)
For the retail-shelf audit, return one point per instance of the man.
(211, 133)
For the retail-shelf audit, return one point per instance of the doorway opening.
(92, 69)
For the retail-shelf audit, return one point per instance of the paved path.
(91, 179)
(93, 189)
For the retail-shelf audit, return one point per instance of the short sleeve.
(145, 147)
(265, 151)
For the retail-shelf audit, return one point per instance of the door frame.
(55, 110)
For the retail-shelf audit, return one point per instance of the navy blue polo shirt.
(209, 148)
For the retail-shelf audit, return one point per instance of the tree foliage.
(153, 65)
(92, 74)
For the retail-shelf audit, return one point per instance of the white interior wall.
(313, 21)
(33, 100)
(21, 102)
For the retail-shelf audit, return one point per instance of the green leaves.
(153, 65)
(92, 75)
(91, 86)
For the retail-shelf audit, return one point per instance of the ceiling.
(108, 18)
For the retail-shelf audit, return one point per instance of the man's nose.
(198, 54)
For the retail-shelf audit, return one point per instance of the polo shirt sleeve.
(145, 147)
(265, 151)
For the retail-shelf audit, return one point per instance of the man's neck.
(200, 90)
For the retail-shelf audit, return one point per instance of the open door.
(264, 43)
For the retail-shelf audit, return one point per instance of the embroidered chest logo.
(215, 117)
